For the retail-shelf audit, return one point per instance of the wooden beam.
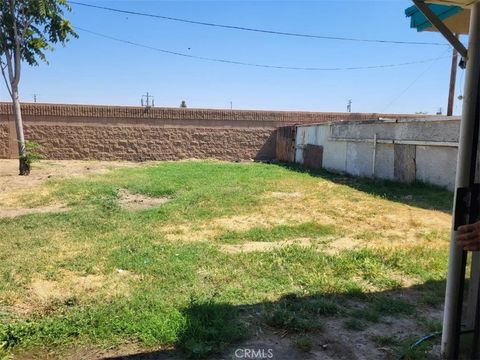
(446, 32)
(453, 78)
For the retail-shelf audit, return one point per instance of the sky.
(96, 70)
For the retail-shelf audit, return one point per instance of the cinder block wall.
(4, 141)
(404, 150)
(136, 133)
(139, 143)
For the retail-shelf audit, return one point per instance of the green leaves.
(28, 28)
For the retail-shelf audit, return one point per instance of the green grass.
(298, 314)
(392, 306)
(152, 287)
(279, 232)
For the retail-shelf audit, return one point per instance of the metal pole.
(453, 78)
(456, 269)
(374, 154)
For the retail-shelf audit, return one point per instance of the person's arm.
(468, 237)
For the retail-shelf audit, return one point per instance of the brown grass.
(379, 223)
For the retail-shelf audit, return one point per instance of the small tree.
(28, 28)
(183, 104)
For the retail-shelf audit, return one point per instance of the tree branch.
(4, 43)
(8, 57)
(16, 51)
(3, 66)
(26, 22)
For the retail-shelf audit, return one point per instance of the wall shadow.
(268, 149)
(216, 330)
(416, 194)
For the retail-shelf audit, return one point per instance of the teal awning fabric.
(420, 22)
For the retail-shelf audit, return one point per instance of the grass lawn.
(234, 254)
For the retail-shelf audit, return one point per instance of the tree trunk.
(24, 166)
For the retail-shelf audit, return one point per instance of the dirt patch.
(11, 213)
(130, 201)
(44, 290)
(46, 294)
(335, 341)
(51, 169)
(13, 186)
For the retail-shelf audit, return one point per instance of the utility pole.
(147, 100)
(231, 105)
(453, 78)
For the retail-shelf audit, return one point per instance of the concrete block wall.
(359, 159)
(152, 143)
(384, 161)
(403, 150)
(437, 165)
(4, 141)
(136, 133)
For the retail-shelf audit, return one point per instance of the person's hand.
(468, 237)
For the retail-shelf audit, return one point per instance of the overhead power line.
(427, 69)
(234, 62)
(265, 31)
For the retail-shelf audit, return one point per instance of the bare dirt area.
(12, 186)
(53, 169)
(130, 201)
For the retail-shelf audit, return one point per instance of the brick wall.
(135, 133)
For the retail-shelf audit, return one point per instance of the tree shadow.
(349, 325)
(416, 194)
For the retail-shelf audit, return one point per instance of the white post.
(455, 267)
(374, 154)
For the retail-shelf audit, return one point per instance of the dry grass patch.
(189, 232)
(14, 212)
(67, 288)
(264, 246)
(368, 221)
